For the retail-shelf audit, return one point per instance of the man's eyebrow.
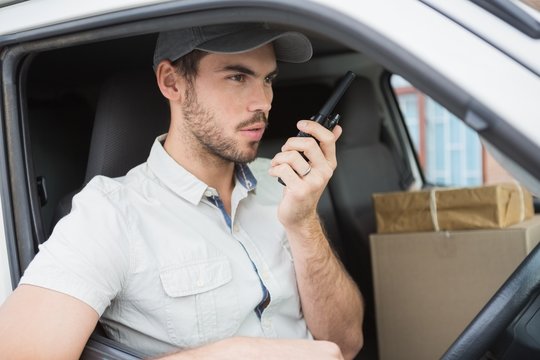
(245, 70)
(238, 68)
(273, 73)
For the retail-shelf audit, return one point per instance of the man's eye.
(238, 77)
(269, 79)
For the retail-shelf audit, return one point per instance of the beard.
(205, 129)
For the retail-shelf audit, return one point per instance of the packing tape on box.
(522, 201)
(433, 209)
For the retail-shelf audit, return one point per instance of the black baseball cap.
(289, 46)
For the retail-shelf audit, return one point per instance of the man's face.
(226, 107)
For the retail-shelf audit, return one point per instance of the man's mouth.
(254, 132)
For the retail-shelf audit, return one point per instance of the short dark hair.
(188, 65)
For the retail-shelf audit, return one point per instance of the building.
(449, 153)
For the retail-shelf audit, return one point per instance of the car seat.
(130, 114)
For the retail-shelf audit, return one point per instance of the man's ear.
(170, 83)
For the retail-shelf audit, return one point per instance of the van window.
(449, 152)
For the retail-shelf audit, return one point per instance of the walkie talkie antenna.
(338, 92)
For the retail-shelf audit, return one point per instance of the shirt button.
(208, 193)
(236, 228)
(200, 283)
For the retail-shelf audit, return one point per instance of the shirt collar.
(184, 183)
(245, 176)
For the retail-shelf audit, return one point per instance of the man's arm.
(331, 302)
(261, 348)
(37, 323)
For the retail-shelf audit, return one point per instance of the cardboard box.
(485, 207)
(430, 285)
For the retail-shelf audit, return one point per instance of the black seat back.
(130, 114)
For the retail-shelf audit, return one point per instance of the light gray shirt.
(155, 254)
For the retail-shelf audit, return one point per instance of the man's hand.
(306, 177)
(262, 349)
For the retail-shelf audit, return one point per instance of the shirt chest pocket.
(201, 302)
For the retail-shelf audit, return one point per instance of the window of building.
(449, 152)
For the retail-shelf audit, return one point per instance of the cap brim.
(289, 46)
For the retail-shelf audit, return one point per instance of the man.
(193, 250)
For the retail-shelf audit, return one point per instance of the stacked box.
(496, 206)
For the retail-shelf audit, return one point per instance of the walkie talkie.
(324, 116)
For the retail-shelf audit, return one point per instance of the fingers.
(286, 174)
(320, 154)
(295, 160)
(302, 158)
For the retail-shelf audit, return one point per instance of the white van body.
(491, 61)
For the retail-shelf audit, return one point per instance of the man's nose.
(261, 99)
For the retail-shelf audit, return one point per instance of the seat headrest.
(359, 116)
(291, 103)
(130, 114)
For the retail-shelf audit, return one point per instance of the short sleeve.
(87, 255)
